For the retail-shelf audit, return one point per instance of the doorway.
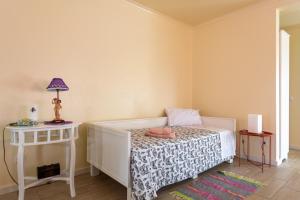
(288, 99)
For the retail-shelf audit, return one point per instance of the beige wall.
(234, 70)
(120, 61)
(294, 32)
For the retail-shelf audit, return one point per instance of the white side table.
(43, 135)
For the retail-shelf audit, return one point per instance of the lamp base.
(57, 122)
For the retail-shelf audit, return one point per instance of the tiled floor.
(281, 183)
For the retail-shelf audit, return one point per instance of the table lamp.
(57, 84)
(255, 123)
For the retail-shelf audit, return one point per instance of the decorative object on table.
(24, 122)
(33, 113)
(262, 135)
(218, 185)
(255, 123)
(57, 84)
(22, 137)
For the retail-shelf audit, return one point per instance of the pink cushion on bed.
(164, 130)
(183, 117)
(165, 136)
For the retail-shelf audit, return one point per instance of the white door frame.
(282, 98)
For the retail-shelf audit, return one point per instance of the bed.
(145, 164)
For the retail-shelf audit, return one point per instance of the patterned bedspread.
(157, 162)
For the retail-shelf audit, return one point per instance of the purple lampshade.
(57, 84)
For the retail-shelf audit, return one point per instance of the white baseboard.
(12, 188)
(297, 148)
(8, 188)
(81, 171)
(258, 159)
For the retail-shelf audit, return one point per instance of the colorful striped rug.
(219, 185)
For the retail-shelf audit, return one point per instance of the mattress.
(157, 162)
(228, 143)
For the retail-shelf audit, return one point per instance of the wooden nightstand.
(263, 135)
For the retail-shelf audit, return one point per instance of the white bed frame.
(109, 144)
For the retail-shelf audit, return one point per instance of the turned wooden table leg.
(270, 152)
(262, 154)
(20, 166)
(72, 163)
(239, 148)
(248, 147)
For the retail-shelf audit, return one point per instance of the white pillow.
(183, 117)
